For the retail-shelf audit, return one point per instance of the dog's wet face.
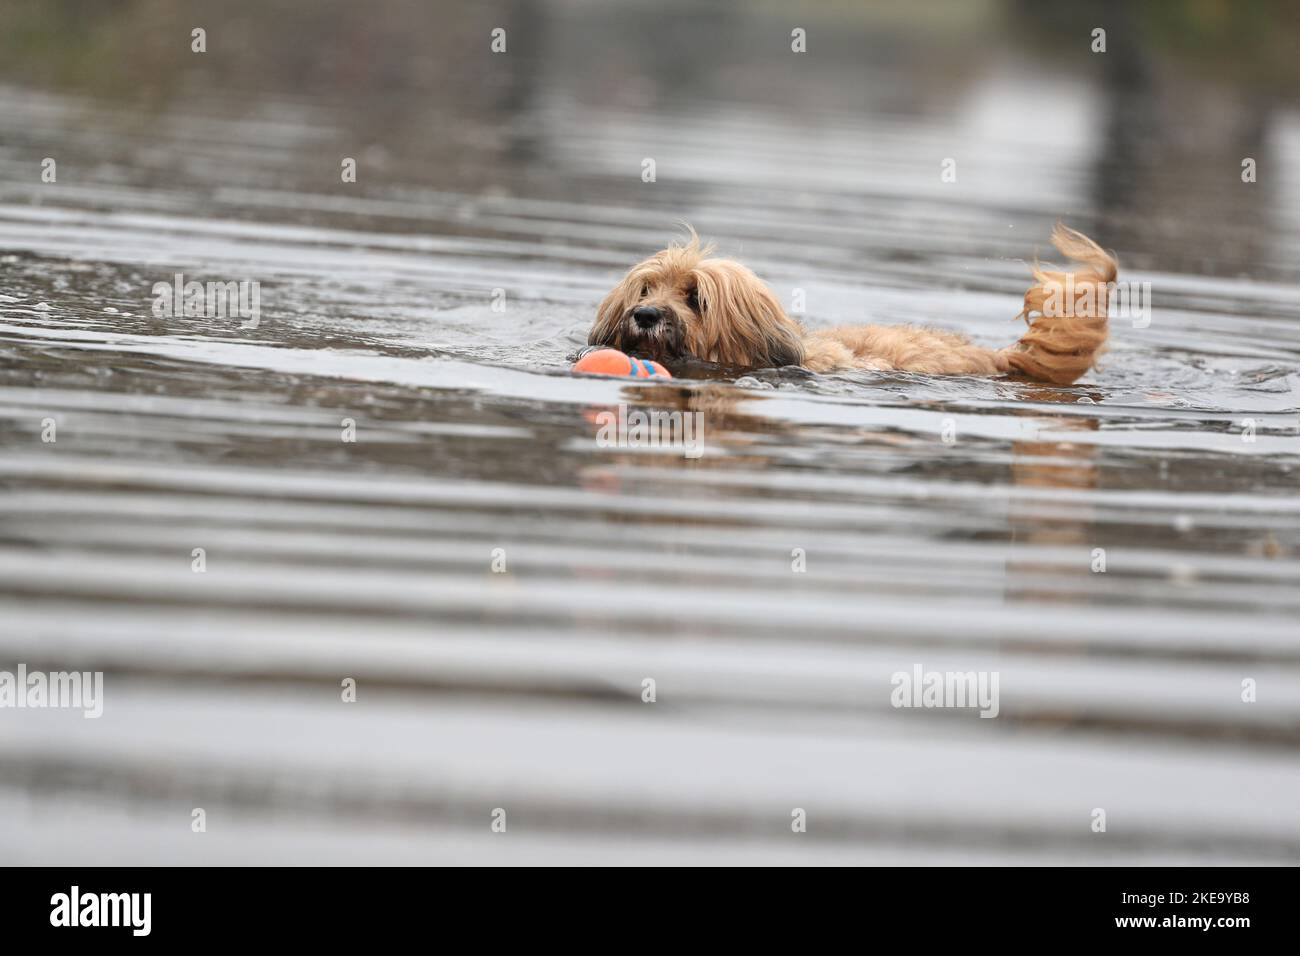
(679, 305)
(654, 312)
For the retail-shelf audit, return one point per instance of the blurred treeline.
(141, 48)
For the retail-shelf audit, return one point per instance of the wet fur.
(717, 310)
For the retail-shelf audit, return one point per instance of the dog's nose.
(646, 317)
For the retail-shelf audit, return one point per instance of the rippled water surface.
(952, 523)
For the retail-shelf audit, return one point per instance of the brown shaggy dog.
(681, 304)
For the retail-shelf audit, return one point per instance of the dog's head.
(681, 304)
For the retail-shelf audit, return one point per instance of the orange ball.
(614, 362)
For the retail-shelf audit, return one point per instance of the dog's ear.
(741, 319)
(785, 348)
(605, 330)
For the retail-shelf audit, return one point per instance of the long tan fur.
(717, 310)
(1063, 342)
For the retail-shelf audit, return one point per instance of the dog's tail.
(1066, 312)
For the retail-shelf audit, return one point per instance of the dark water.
(373, 559)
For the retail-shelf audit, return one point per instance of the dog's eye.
(693, 299)
(645, 291)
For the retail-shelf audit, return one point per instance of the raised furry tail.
(1066, 312)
